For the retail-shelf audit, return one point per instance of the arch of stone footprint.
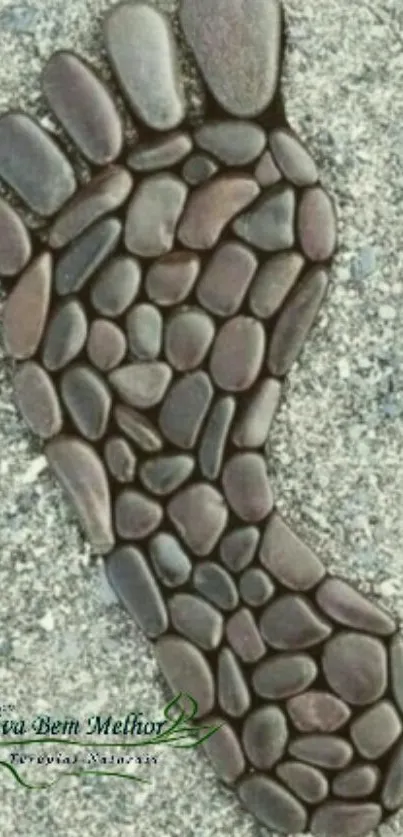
(153, 327)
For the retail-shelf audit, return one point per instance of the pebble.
(185, 408)
(317, 225)
(200, 516)
(375, 732)
(141, 47)
(357, 781)
(141, 385)
(265, 736)
(84, 106)
(165, 474)
(286, 557)
(138, 428)
(291, 624)
(26, 309)
(307, 782)
(116, 286)
(244, 636)
(153, 215)
(214, 439)
(161, 153)
(226, 279)
(284, 675)
(273, 283)
(120, 459)
(197, 620)
(292, 158)
(318, 711)
(232, 141)
(212, 206)
(65, 336)
(355, 667)
(15, 241)
(170, 562)
(269, 224)
(330, 752)
(247, 488)
(253, 426)
(188, 336)
(216, 585)
(81, 473)
(348, 607)
(135, 585)
(237, 354)
(266, 172)
(225, 753)
(86, 255)
(186, 670)
(273, 805)
(171, 279)
(241, 70)
(255, 587)
(106, 345)
(25, 148)
(392, 791)
(396, 669)
(103, 194)
(37, 400)
(237, 549)
(88, 400)
(233, 692)
(136, 516)
(345, 819)
(198, 168)
(144, 331)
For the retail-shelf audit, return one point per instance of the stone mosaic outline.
(153, 321)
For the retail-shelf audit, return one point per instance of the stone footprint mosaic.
(153, 321)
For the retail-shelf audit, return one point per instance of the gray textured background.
(66, 647)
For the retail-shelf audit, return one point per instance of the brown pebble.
(247, 487)
(237, 354)
(212, 206)
(26, 309)
(37, 400)
(106, 345)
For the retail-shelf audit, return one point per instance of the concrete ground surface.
(335, 456)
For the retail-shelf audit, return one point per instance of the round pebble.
(153, 214)
(264, 736)
(106, 345)
(266, 172)
(317, 225)
(307, 782)
(65, 336)
(212, 206)
(136, 515)
(317, 711)
(284, 676)
(120, 459)
(144, 331)
(232, 141)
(215, 584)
(356, 782)
(170, 562)
(237, 354)
(197, 620)
(247, 488)
(185, 408)
(88, 400)
(116, 287)
(233, 692)
(186, 669)
(237, 549)
(165, 474)
(375, 732)
(291, 624)
(292, 158)
(226, 278)
(170, 279)
(255, 587)
(200, 516)
(328, 751)
(188, 337)
(273, 283)
(244, 636)
(37, 400)
(198, 168)
(269, 224)
(355, 666)
(141, 385)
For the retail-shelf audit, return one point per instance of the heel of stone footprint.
(152, 335)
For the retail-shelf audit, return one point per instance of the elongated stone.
(215, 584)
(138, 428)
(273, 283)
(197, 620)
(232, 141)
(237, 354)
(141, 384)
(225, 281)
(116, 287)
(375, 732)
(84, 106)
(103, 194)
(170, 562)
(307, 782)
(345, 819)
(135, 585)
(15, 241)
(185, 408)
(88, 400)
(86, 255)
(266, 172)
(81, 473)
(269, 224)
(348, 607)
(247, 488)
(264, 736)
(212, 446)
(26, 309)
(237, 549)
(65, 335)
(26, 149)
(244, 637)
(141, 47)
(233, 692)
(253, 426)
(255, 587)
(37, 400)
(292, 158)
(186, 669)
(355, 666)
(392, 791)
(144, 331)
(356, 782)
(317, 225)
(295, 321)
(288, 558)
(291, 624)
(120, 459)
(166, 474)
(273, 805)
(170, 279)
(153, 214)
(161, 153)
(188, 337)
(242, 69)
(200, 516)
(106, 345)
(396, 669)
(317, 711)
(284, 675)
(328, 751)
(199, 168)
(225, 752)
(212, 206)
(136, 516)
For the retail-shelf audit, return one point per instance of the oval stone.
(286, 557)
(291, 624)
(396, 669)
(237, 48)
(225, 752)
(237, 354)
(197, 620)
(15, 241)
(116, 287)
(225, 281)
(273, 283)
(120, 459)
(256, 587)
(214, 440)
(37, 400)
(244, 637)
(135, 586)
(265, 736)
(141, 47)
(88, 400)
(65, 335)
(140, 384)
(84, 256)
(200, 516)
(253, 426)
(215, 584)
(266, 172)
(165, 474)
(26, 309)
(136, 515)
(144, 331)
(349, 607)
(247, 488)
(318, 711)
(284, 675)
(161, 153)
(212, 206)
(356, 782)
(232, 141)
(81, 473)
(170, 280)
(392, 791)
(84, 106)
(375, 732)
(170, 562)
(185, 408)
(198, 168)
(317, 225)
(233, 692)
(186, 670)
(355, 666)
(269, 224)
(153, 214)
(328, 751)
(188, 337)
(345, 819)
(138, 428)
(273, 805)
(237, 549)
(305, 781)
(292, 158)
(106, 345)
